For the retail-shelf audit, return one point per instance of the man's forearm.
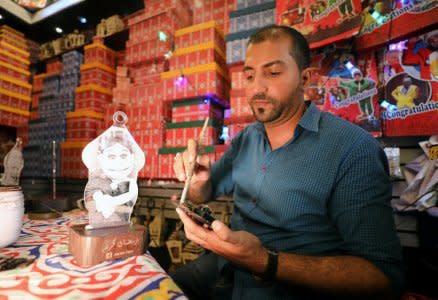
(337, 276)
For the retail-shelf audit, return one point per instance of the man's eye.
(249, 78)
(111, 156)
(124, 156)
(274, 74)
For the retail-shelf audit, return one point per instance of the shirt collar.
(309, 120)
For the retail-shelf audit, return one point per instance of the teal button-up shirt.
(325, 192)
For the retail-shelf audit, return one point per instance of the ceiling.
(40, 25)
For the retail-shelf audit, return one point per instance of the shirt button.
(253, 199)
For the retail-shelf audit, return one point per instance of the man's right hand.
(184, 161)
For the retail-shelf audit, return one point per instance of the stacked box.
(92, 97)
(123, 85)
(178, 134)
(167, 154)
(15, 91)
(251, 17)
(82, 125)
(71, 162)
(15, 56)
(214, 10)
(203, 80)
(98, 74)
(38, 81)
(243, 23)
(97, 52)
(53, 66)
(39, 160)
(148, 73)
(197, 109)
(23, 133)
(13, 37)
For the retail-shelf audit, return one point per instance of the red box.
(178, 137)
(98, 76)
(13, 59)
(200, 57)
(217, 10)
(197, 112)
(38, 82)
(239, 107)
(71, 160)
(15, 101)
(9, 118)
(13, 40)
(207, 83)
(146, 51)
(23, 133)
(199, 34)
(15, 86)
(147, 94)
(14, 51)
(97, 52)
(12, 71)
(179, 8)
(142, 28)
(237, 76)
(54, 66)
(121, 58)
(92, 97)
(150, 169)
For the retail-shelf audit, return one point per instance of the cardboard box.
(207, 80)
(197, 55)
(99, 53)
(83, 124)
(198, 34)
(71, 160)
(38, 80)
(146, 51)
(13, 59)
(196, 110)
(166, 157)
(256, 16)
(14, 100)
(13, 71)
(15, 86)
(54, 66)
(178, 134)
(13, 50)
(147, 94)
(217, 10)
(98, 74)
(92, 97)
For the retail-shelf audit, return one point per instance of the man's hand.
(240, 247)
(200, 189)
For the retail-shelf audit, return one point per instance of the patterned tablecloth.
(55, 275)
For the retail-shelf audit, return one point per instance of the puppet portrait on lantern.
(113, 160)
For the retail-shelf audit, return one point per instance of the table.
(55, 275)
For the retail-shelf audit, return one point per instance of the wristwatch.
(272, 266)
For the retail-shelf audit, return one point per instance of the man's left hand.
(240, 247)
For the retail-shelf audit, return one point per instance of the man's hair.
(299, 48)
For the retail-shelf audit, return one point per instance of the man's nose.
(260, 85)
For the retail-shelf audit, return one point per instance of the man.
(406, 93)
(358, 85)
(311, 193)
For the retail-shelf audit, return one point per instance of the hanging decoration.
(411, 86)
(387, 20)
(322, 22)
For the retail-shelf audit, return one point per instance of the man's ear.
(306, 75)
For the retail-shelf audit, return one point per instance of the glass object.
(113, 160)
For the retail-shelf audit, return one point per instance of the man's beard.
(261, 114)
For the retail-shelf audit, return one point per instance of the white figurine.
(13, 163)
(113, 160)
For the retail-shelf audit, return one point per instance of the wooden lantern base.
(91, 247)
